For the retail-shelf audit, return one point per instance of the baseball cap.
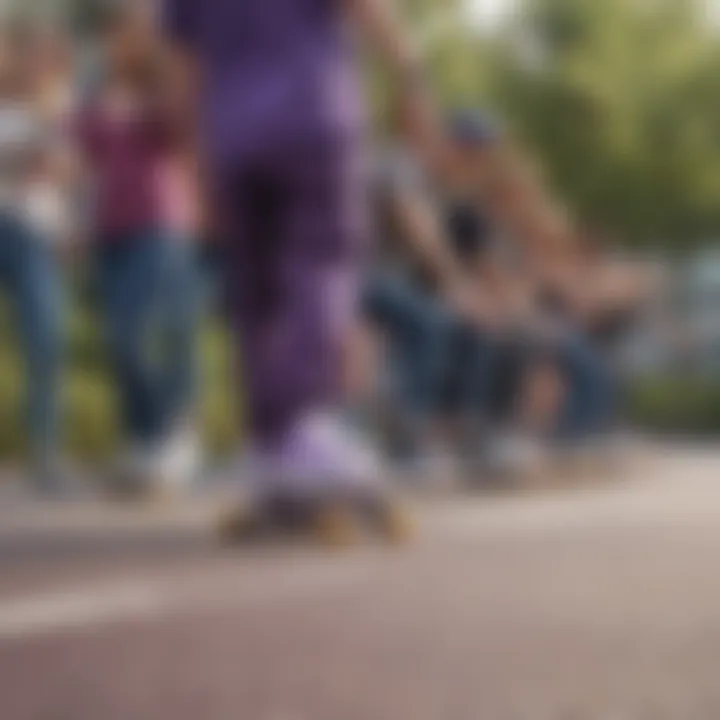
(474, 128)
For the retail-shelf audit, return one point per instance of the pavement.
(600, 602)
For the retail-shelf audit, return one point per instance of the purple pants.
(294, 222)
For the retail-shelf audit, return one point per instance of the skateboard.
(333, 522)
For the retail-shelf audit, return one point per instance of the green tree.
(619, 99)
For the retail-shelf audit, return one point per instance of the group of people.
(89, 174)
(498, 316)
(430, 281)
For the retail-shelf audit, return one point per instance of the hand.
(472, 306)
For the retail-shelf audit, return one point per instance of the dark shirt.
(469, 231)
(466, 227)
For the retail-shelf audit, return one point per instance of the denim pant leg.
(426, 347)
(589, 407)
(475, 364)
(511, 359)
(210, 272)
(131, 272)
(180, 322)
(34, 279)
(418, 328)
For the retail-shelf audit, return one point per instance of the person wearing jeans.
(130, 272)
(29, 272)
(145, 219)
(467, 380)
(429, 292)
(32, 221)
(418, 328)
(182, 303)
(148, 286)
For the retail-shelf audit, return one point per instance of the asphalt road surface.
(598, 604)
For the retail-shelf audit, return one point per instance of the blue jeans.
(418, 329)
(183, 298)
(467, 377)
(29, 271)
(590, 404)
(211, 278)
(439, 361)
(149, 287)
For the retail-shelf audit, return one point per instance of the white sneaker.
(323, 454)
(515, 455)
(177, 463)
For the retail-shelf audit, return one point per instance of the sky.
(484, 16)
(489, 12)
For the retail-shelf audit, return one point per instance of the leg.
(294, 249)
(541, 399)
(210, 269)
(418, 331)
(130, 274)
(252, 238)
(180, 321)
(508, 369)
(293, 285)
(37, 286)
(590, 389)
(516, 396)
(476, 364)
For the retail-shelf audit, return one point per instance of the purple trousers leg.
(295, 229)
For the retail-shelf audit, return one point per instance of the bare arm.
(424, 238)
(182, 73)
(382, 27)
(388, 37)
(616, 287)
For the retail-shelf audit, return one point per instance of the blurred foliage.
(618, 99)
(677, 405)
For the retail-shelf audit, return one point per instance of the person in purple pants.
(280, 138)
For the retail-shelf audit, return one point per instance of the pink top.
(140, 182)
(179, 210)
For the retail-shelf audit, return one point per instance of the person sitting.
(415, 290)
(444, 355)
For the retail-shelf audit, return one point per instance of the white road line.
(226, 590)
(42, 614)
(302, 582)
